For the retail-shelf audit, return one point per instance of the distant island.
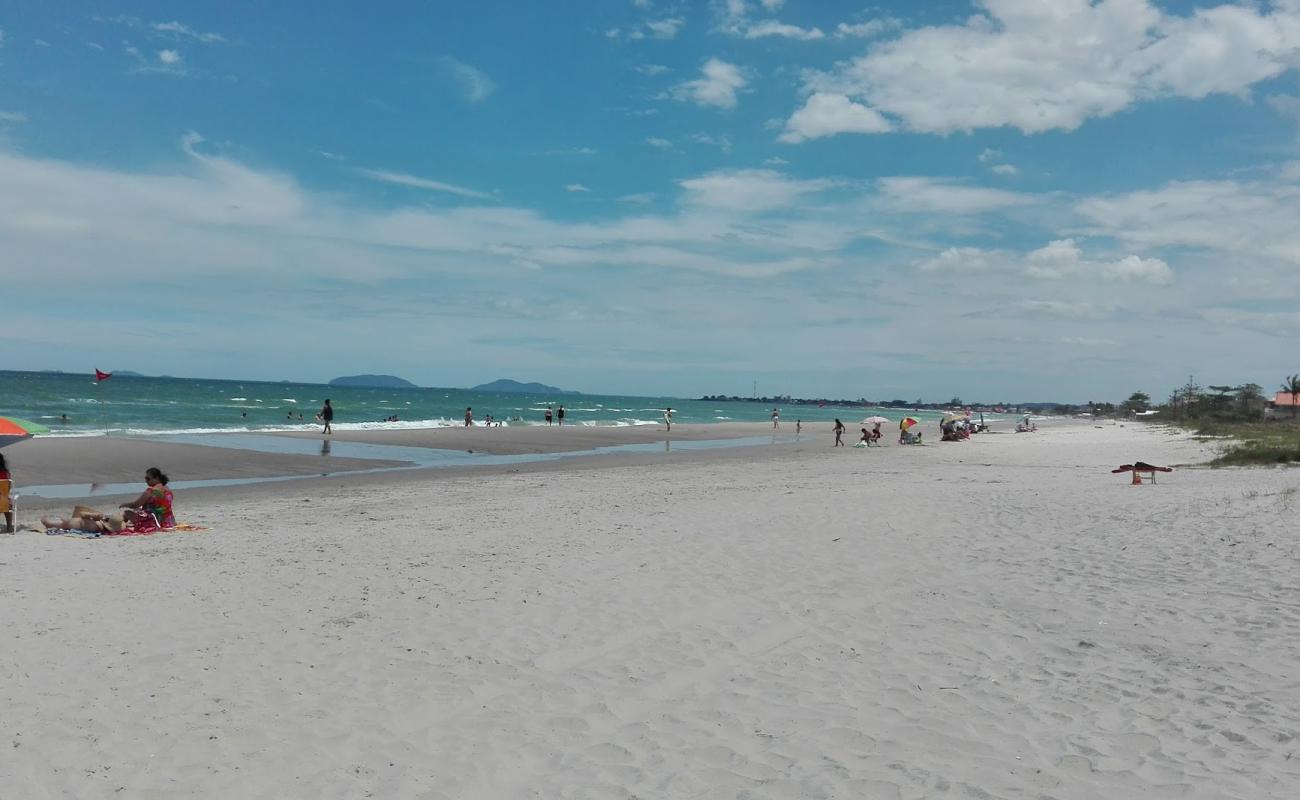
(373, 382)
(126, 373)
(505, 385)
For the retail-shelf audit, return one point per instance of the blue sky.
(1003, 199)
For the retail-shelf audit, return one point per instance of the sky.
(997, 199)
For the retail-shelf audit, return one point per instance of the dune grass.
(1255, 443)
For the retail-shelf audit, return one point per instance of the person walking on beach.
(560, 415)
(469, 416)
(776, 417)
(839, 433)
(327, 416)
(668, 418)
(798, 427)
(548, 415)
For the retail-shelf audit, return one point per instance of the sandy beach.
(999, 618)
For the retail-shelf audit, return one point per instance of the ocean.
(75, 405)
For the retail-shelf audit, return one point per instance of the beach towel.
(1141, 466)
(180, 527)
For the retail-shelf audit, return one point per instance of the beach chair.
(7, 504)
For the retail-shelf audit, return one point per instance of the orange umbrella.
(13, 430)
(908, 422)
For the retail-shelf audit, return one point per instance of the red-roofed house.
(1286, 400)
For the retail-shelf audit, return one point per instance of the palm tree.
(1291, 386)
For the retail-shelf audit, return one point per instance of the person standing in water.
(327, 416)
(548, 415)
(776, 417)
(559, 415)
(839, 433)
(469, 416)
(668, 418)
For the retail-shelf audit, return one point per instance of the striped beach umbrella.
(13, 430)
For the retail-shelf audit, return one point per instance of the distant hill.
(505, 385)
(373, 382)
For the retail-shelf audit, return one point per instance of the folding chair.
(8, 506)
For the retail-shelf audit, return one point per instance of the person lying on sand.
(86, 519)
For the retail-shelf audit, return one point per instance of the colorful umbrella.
(952, 415)
(908, 422)
(874, 421)
(13, 430)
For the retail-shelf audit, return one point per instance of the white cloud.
(722, 141)
(1064, 259)
(95, 46)
(576, 187)
(181, 30)
(750, 189)
(644, 5)
(863, 30)
(830, 114)
(651, 69)
(1144, 270)
(639, 199)
(473, 83)
(1004, 169)
(657, 143)
(772, 5)
(775, 161)
(1255, 219)
(13, 117)
(717, 86)
(989, 155)
(416, 182)
(957, 259)
(760, 30)
(170, 58)
(665, 28)
(933, 195)
(1040, 67)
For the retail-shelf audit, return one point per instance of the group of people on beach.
(152, 510)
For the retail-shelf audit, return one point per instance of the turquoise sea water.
(125, 405)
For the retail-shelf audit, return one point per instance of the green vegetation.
(1234, 414)
(1275, 442)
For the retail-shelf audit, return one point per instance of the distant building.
(1282, 400)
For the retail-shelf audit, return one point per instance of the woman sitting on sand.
(153, 508)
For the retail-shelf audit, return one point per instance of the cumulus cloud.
(827, 114)
(750, 189)
(576, 187)
(1063, 258)
(169, 57)
(1051, 66)
(657, 142)
(761, 30)
(473, 83)
(717, 85)
(13, 117)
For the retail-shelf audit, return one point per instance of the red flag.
(100, 375)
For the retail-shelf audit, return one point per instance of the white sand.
(995, 619)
